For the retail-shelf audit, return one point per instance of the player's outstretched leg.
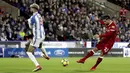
(46, 57)
(44, 53)
(99, 60)
(89, 54)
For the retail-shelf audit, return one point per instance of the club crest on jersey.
(113, 26)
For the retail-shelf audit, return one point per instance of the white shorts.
(36, 42)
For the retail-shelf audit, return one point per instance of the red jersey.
(108, 38)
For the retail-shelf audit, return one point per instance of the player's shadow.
(83, 71)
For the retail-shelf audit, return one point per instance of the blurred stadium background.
(70, 28)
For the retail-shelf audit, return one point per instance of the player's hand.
(97, 36)
(96, 18)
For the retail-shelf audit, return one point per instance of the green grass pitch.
(24, 65)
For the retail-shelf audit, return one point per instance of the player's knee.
(95, 49)
(27, 46)
(102, 54)
(40, 45)
(29, 53)
(30, 49)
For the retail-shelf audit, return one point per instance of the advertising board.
(126, 52)
(77, 52)
(20, 52)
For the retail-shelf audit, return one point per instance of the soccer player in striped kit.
(36, 24)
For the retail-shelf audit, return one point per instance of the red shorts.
(105, 48)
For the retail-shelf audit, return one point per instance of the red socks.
(90, 53)
(98, 62)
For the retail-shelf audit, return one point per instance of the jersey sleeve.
(31, 21)
(100, 21)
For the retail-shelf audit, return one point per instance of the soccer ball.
(64, 62)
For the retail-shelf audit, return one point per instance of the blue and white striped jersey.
(36, 23)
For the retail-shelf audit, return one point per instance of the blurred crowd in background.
(122, 3)
(64, 20)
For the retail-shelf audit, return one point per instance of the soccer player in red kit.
(106, 41)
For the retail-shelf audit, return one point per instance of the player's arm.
(29, 23)
(100, 21)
